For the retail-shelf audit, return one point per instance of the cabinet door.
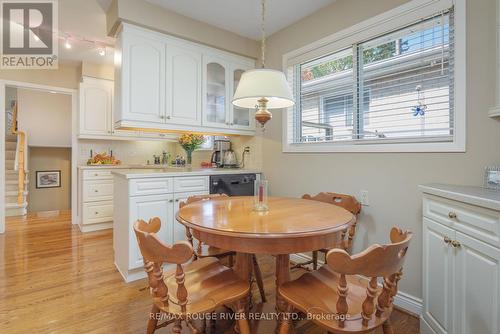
(477, 288)
(96, 107)
(215, 96)
(179, 230)
(438, 276)
(145, 208)
(184, 69)
(143, 79)
(241, 118)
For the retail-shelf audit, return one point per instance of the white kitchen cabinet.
(239, 118)
(96, 98)
(461, 261)
(163, 83)
(142, 78)
(184, 76)
(179, 230)
(146, 207)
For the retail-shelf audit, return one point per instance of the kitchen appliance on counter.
(233, 184)
(221, 146)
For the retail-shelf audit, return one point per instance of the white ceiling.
(243, 16)
(85, 21)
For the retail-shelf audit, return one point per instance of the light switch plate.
(364, 198)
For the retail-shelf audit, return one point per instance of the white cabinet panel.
(99, 190)
(143, 79)
(438, 277)
(145, 208)
(95, 107)
(97, 175)
(179, 229)
(97, 212)
(477, 292)
(191, 183)
(184, 69)
(216, 78)
(240, 118)
(152, 186)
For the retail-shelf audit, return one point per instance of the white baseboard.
(425, 328)
(403, 300)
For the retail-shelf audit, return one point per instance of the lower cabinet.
(144, 199)
(461, 273)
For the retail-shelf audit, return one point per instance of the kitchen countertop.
(178, 171)
(469, 194)
(123, 166)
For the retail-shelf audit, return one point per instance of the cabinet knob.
(96, 174)
(168, 117)
(177, 200)
(452, 215)
(96, 191)
(447, 240)
(96, 213)
(171, 201)
(456, 244)
(162, 117)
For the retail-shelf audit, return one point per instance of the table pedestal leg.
(282, 276)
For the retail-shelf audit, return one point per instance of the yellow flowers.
(191, 141)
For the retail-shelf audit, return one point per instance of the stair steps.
(12, 208)
(10, 146)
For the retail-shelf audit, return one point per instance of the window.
(395, 88)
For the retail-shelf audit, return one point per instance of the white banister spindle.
(495, 110)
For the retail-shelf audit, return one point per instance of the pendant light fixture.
(263, 88)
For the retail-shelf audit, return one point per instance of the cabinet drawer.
(190, 183)
(153, 186)
(97, 212)
(481, 223)
(101, 190)
(97, 175)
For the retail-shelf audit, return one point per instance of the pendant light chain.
(263, 30)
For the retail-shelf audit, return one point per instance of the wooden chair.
(349, 304)
(347, 202)
(193, 288)
(203, 252)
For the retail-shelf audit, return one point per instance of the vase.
(189, 158)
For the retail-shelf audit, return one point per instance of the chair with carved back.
(338, 298)
(192, 289)
(201, 252)
(348, 202)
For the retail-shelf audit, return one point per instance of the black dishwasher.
(233, 184)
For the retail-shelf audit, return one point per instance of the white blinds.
(398, 86)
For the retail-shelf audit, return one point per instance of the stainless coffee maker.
(221, 146)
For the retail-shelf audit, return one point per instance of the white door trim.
(74, 142)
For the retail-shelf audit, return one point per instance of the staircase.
(12, 207)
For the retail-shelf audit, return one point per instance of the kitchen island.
(147, 193)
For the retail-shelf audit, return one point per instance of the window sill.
(365, 147)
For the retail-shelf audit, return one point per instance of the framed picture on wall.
(48, 179)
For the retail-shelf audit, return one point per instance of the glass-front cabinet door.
(216, 99)
(240, 118)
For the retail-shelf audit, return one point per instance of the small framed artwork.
(48, 179)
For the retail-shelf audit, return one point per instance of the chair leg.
(387, 327)
(285, 325)
(241, 325)
(153, 319)
(315, 260)
(231, 261)
(258, 278)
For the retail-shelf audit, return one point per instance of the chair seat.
(342, 244)
(213, 252)
(209, 285)
(316, 293)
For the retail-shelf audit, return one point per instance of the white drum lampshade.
(265, 89)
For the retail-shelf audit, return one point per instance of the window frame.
(394, 19)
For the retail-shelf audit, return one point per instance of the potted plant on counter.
(190, 142)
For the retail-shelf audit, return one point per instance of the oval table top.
(227, 222)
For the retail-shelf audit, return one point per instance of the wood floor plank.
(55, 279)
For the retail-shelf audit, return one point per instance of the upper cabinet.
(169, 84)
(96, 98)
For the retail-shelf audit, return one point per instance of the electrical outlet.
(364, 198)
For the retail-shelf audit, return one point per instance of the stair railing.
(20, 163)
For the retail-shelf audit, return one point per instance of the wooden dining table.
(291, 225)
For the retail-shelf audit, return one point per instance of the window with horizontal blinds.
(396, 87)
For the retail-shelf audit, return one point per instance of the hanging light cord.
(263, 30)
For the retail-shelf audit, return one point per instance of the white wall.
(390, 178)
(45, 117)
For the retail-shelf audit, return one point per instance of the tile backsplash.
(129, 152)
(139, 152)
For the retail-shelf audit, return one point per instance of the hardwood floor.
(55, 279)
